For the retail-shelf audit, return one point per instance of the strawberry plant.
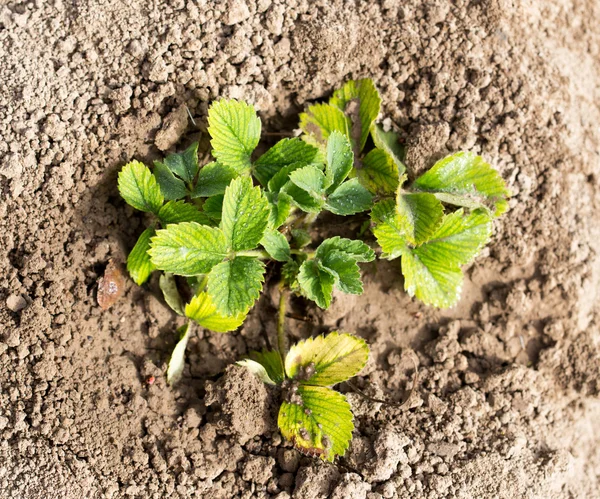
(215, 225)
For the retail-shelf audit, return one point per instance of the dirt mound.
(507, 399)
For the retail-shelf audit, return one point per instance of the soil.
(507, 398)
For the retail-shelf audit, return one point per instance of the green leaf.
(188, 248)
(316, 283)
(202, 310)
(432, 271)
(357, 250)
(289, 275)
(360, 100)
(465, 179)
(235, 132)
(280, 209)
(174, 212)
(388, 142)
(311, 180)
(272, 362)
(418, 215)
(339, 160)
(345, 270)
(320, 120)
(138, 262)
(171, 186)
(281, 155)
(235, 285)
(276, 245)
(379, 173)
(267, 365)
(245, 214)
(349, 198)
(459, 238)
(300, 238)
(326, 360)
(213, 179)
(213, 207)
(317, 420)
(138, 187)
(184, 164)
(388, 230)
(168, 286)
(431, 281)
(177, 361)
(282, 177)
(303, 199)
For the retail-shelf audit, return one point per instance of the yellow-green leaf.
(202, 310)
(326, 360)
(317, 420)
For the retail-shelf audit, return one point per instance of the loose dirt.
(506, 403)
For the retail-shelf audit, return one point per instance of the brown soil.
(507, 399)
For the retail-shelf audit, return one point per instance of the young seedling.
(215, 228)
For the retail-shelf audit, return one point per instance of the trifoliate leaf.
(257, 369)
(418, 215)
(139, 188)
(465, 179)
(280, 209)
(175, 212)
(267, 365)
(345, 270)
(235, 285)
(235, 132)
(245, 214)
(316, 283)
(339, 160)
(177, 361)
(188, 248)
(281, 155)
(184, 164)
(276, 245)
(213, 207)
(388, 142)
(311, 180)
(326, 360)
(379, 173)
(320, 120)
(317, 420)
(213, 179)
(432, 271)
(171, 186)
(302, 199)
(138, 262)
(349, 198)
(355, 249)
(360, 101)
(202, 310)
(168, 286)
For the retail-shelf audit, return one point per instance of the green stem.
(281, 339)
(202, 283)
